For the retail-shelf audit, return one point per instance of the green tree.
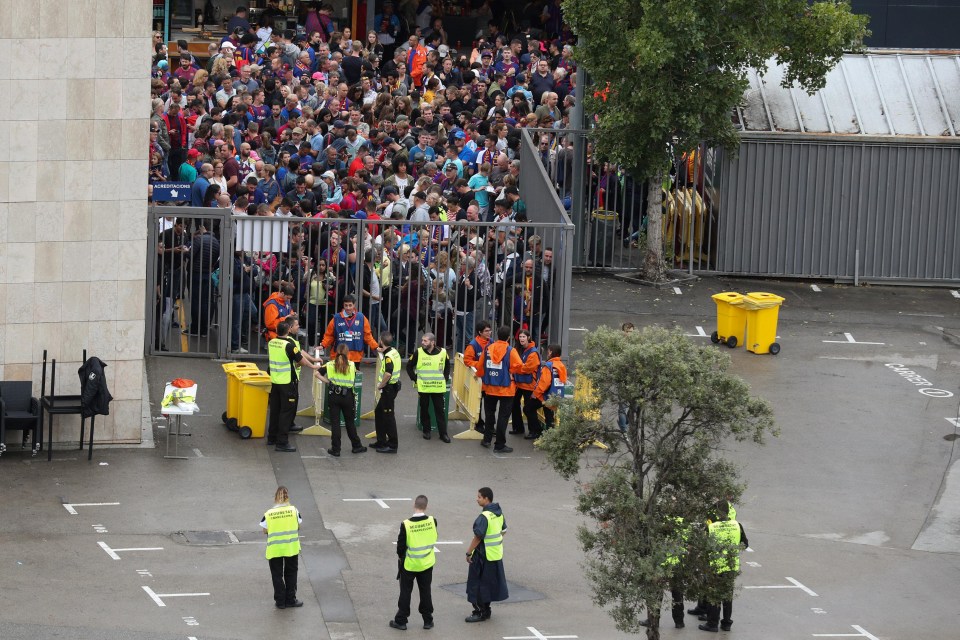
(670, 72)
(661, 477)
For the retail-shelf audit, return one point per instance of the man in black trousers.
(415, 550)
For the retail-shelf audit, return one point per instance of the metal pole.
(578, 209)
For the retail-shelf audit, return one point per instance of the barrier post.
(465, 399)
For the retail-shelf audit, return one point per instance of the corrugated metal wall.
(804, 208)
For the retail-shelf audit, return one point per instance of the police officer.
(430, 369)
(281, 524)
(340, 376)
(389, 385)
(285, 358)
(415, 549)
(486, 581)
(730, 534)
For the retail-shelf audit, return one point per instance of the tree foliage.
(670, 72)
(684, 406)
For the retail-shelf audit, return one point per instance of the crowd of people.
(382, 144)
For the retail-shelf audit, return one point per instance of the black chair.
(19, 411)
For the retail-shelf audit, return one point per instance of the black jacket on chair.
(94, 396)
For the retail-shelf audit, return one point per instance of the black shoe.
(376, 446)
(428, 625)
(296, 428)
(286, 448)
(280, 605)
(485, 443)
(271, 442)
(702, 617)
(696, 611)
(445, 438)
(295, 604)
(426, 435)
(360, 449)
(725, 626)
(475, 617)
(397, 625)
(531, 436)
(386, 450)
(706, 627)
(335, 454)
(679, 625)
(503, 449)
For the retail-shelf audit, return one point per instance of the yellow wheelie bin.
(229, 416)
(762, 311)
(731, 319)
(253, 402)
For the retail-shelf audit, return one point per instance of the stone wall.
(74, 113)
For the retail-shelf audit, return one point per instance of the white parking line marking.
(795, 585)
(955, 293)
(158, 597)
(954, 421)
(862, 633)
(699, 334)
(69, 506)
(753, 564)
(113, 552)
(677, 291)
(815, 288)
(380, 501)
(197, 452)
(537, 635)
(850, 340)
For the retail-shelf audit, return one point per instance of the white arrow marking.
(70, 506)
(113, 552)
(537, 635)
(795, 585)
(815, 288)
(850, 340)
(157, 597)
(863, 633)
(380, 501)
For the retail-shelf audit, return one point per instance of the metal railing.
(211, 275)
(608, 206)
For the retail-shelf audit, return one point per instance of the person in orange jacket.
(525, 381)
(471, 358)
(498, 362)
(551, 379)
(277, 308)
(349, 327)
(416, 58)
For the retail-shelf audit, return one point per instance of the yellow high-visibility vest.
(430, 371)
(493, 538)
(342, 379)
(281, 368)
(394, 356)
(421, 536)
(283, 532)
(726, 532)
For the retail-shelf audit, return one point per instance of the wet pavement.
(853, 513)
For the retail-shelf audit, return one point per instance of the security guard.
(550, 384)
(526, 384)
(285, 358)
(415, 549)
(672, 563)
(486, 581)
(340, 376)
(729, 533)
(430, 369)
(281, 524)
(389, 385)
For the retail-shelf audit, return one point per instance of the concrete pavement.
(853, 513)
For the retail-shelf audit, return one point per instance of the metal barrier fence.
(608, 206)
(215, 276)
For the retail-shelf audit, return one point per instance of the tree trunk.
(653, 631)
(654, 269)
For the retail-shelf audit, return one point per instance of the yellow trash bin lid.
(238, 366)
(762, 300)
(602, 214)
(257, 378)
(730, 297)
